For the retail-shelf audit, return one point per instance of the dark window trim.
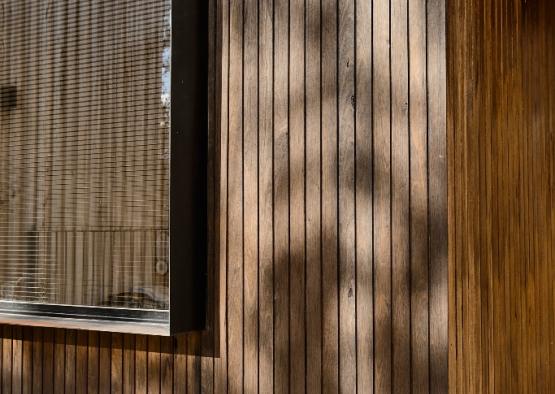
(189, 169)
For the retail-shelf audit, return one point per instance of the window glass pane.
(84, 152)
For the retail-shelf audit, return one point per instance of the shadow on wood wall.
(327, 215)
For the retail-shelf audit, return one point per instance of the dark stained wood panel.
(327, 216)
(501, 79)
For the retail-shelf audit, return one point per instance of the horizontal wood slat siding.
(327, 216)
(502, 218)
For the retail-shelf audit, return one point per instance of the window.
(103, 164)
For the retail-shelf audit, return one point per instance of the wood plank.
(37, 360)
(364, 197)
(461, 220)
(281, 198)
(193, 363)
(235, 278)
(116, 363)
(346, 196)
(153, 364)
(452, 102)
(7, 359)
(250, 195)
(27, 362)
(400, 200)
(266, 196)
(81, 361)
(313, 201)
(128, 373)
(418, 197)
(329, 154)
(47, 361)
(550, 220)
(166, 365)
(59, 359)
(17, 360)
(382, 197)
(521, 239)
(141, 369)
(487, 240)
(180, 364)
(489, 208)
(70, 361)
(297, 208)
(472, 208)
(93, 363)
(501, 169)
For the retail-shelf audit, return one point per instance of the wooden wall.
(502, 218)
(328, 218)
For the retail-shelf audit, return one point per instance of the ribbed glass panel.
(84, 152)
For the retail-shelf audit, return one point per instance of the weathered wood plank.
(93, 363)
(27, 362)
(47, 361)
(166, 365)
(418, 122)
(153, 364)
(180, 363)
(104, 362)
(193, 363)
(17, 361)
(346, 196)
(70, 361)
(235, 239)
(116, 364)
(59, 358)
(313, 202)
(81, 361)
(364, 197)
(141, 365)
(329, 154)
(37, 360)
(265, 196)
(296, 168)
(400, 200)
(250, 195)
(6, 358)
(382, 197)
(281, 158)
(128, 373)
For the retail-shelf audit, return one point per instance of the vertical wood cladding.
(501, 185)
(328, 216)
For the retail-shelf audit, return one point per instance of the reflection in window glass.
(84, 152)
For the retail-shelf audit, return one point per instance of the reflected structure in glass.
(84, 152)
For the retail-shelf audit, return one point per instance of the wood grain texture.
(501, 74)
(327, 199)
